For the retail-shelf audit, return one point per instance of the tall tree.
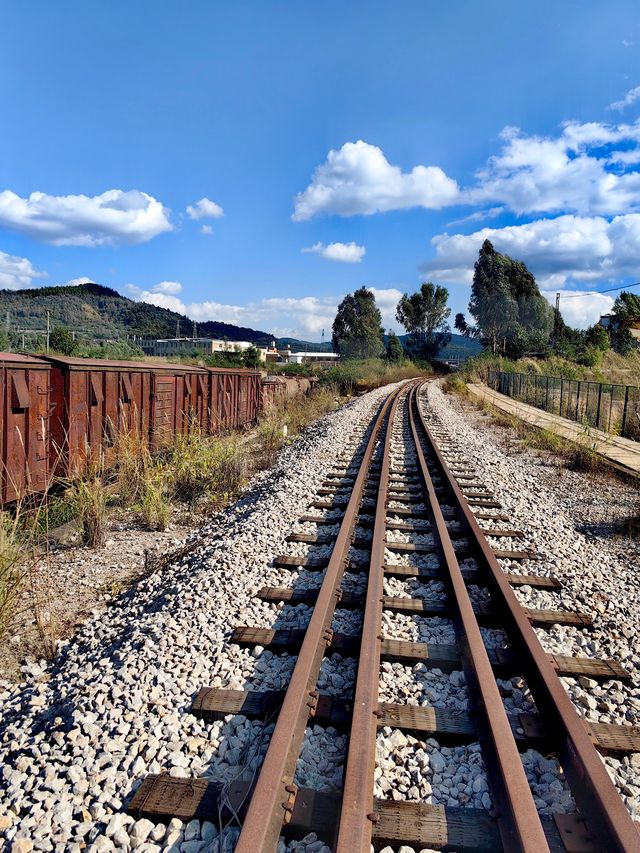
(424, 315)
(357, 331)
(394, 348)
(626, 309)
(510, 312)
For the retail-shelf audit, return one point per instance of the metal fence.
(609, 407)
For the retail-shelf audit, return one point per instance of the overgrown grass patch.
(355, 377)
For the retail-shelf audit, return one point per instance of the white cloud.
(349, 253)
(582, 169)
(568, 248)
(627, 43)
(171, 287)
(111, 218)
(580, 309)
(567, 173)
(302, 317)
(358, 178)
(630, 98)
(17, 273)
(205, 209)
(74, 282)
(206, 229)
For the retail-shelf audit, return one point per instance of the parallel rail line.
(432, 497)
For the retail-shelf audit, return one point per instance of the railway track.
(412, 492)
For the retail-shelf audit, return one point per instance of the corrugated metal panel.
(24, 441)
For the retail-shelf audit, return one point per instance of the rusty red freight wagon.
(235, 398)
(24, 431)
(93, 400)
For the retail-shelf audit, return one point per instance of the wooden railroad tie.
(485, 613)
(449, 727)
(161, 797)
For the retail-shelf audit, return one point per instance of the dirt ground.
(64, 586)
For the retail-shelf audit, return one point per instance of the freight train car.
(24, 431)
(94, 400)
(235, 398)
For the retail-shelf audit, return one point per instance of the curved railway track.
(434, 490)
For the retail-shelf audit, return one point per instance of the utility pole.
(556, 318)
(177, 328)
(48, 330)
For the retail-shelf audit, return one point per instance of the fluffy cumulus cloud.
(348, 253)
(585, 169)
(16, 272)
(580, 308)
(204, 209)
(303, 317)
(567, 248)
(112, 218)
(358, 178)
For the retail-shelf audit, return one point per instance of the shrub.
(90, 498)
(206, 466)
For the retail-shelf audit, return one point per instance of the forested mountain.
(98, 313)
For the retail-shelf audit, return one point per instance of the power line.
(595, 292)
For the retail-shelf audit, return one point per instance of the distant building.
(318, 358)
(174, 347)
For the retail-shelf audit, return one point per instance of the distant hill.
(99, 313)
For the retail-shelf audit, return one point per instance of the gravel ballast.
(78, 735)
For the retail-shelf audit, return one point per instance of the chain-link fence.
(609, 407)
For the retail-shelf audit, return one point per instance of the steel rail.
(355, 827)
(518, 819)
(274, 792)
(600, 806)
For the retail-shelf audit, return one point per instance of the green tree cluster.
(626, 314)
(510, 313)
(357, 331)
(61, 340)
(395, 352)
(424, 315)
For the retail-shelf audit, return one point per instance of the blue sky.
(254, 161)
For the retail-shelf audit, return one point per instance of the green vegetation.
(61, 340)
(511, 314)
(395, 351)
(357, 329)
(424, 315)
(356, 376)
(611, 367)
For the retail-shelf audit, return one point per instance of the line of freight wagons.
(58, 412)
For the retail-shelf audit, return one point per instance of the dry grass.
(131, 459)
(211, 467)
(155, 506)
(12, 568)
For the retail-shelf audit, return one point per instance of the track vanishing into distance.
(407, 478)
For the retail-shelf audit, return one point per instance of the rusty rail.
(274, 793)
(355, 827)
(601, 808)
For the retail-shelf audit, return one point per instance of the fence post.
(599, 403)
(624, 410)
(561, 393)
(546, 401)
